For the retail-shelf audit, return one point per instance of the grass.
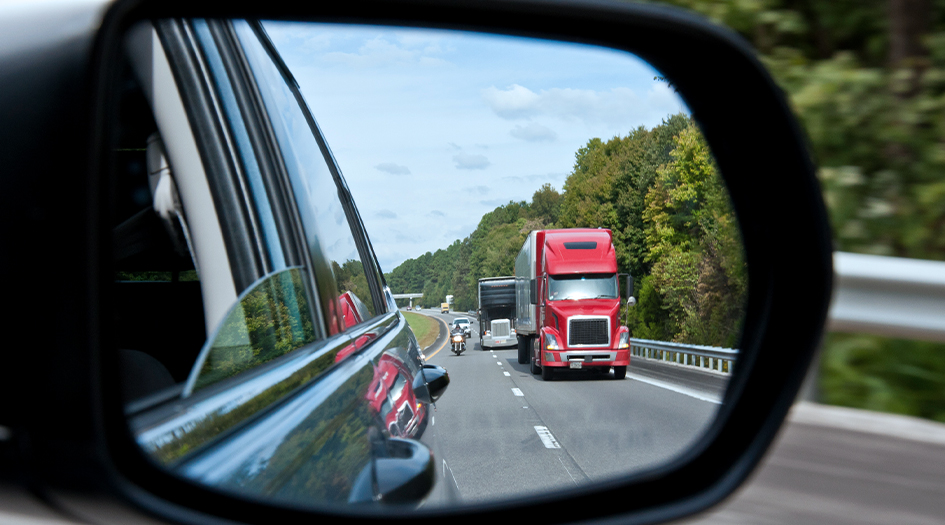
(425, 328)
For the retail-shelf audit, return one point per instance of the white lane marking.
(494, 356)
(433, 420)
(566, 470)
(507, 374)
(545, 436)
(498, 363)
(518, 392)
(674, 388)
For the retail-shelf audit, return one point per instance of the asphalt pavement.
(506, 433)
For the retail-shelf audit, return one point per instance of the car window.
(327, 221)
(270, 320)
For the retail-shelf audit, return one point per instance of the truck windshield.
(574, 287)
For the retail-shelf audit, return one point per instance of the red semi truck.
(567, 303)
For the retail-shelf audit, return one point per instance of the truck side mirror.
(533, 291)
(630, 287)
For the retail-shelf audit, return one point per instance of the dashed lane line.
(546, 437)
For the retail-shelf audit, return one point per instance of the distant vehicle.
(408, 308)
(567, 303)
(463, 323)
(444, 308)
(496, 309)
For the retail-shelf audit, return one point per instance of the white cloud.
(617, 106)
(393, 169)
(465, 161)
(514, 102)
(437, 213)
(534, 132)
(386, 214)
(380, 52)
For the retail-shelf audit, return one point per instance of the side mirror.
(430, 383)
(631, 301)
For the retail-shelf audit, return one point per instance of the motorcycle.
(458, 341)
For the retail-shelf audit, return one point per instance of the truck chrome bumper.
(600, 357)
(488, 340)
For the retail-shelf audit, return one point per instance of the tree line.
(661, 195)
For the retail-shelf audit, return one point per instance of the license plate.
(576, 364)
(499, 341)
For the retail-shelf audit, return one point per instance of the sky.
(432, 129)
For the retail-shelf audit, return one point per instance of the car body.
(463, 323)
(274, 343)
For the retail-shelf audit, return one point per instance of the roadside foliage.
(867, 80)
(660, 193)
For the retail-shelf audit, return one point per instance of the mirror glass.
(546, 217)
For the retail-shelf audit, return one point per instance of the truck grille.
(593, 331)
(500, 329)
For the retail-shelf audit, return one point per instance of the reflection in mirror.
(458, 146)
(558, 196)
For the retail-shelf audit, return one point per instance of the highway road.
(505, 432)
(830, 465)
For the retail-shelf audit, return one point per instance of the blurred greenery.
(867, 80)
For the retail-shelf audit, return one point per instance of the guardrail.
(888, 296)
(697, 356)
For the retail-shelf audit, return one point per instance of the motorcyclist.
(457, 329)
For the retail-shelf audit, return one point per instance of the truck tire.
(534, 367)
(547, 373)
(620, 372)
(523, 350)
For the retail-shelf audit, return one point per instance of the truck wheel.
(546, 373)
(523, 351)
(620, 372)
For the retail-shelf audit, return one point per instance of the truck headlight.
(624, 341)
(551, 343)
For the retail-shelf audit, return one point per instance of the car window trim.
(210, 133)
(262, 138)
(351, 214)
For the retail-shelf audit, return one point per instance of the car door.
(306, 389)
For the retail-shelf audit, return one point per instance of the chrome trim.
(589, 317)
(567, 357)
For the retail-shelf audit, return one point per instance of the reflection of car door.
(278, 404)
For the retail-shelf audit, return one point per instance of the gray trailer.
(496, 311)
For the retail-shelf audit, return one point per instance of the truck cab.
(444, 308)
(571, 320)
